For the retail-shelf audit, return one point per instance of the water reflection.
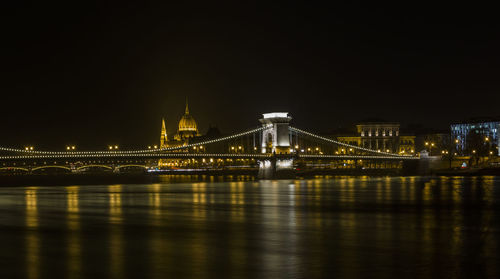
(116, 232)
(32, 235)
(335, 227)
(155, 204)
(74, 244)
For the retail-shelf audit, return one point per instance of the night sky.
(94, 75)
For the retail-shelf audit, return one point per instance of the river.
(239, 227)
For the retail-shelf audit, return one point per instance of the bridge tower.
(276, 140)
(276, 136)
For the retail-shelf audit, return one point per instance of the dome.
(187, 123)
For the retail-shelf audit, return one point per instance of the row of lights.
(344, 144)
(361, 156)
(115, 147)
(134, 155)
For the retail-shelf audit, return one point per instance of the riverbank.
(468, 172)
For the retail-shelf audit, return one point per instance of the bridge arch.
(132, 166)
(50, 167)
(14, 168)
(94, 166)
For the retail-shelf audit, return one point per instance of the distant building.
(187, 132)
(487, 128)
(383, 136)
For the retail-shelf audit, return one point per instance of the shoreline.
(210, 176)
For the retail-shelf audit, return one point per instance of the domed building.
(187, 126)
(187, 129)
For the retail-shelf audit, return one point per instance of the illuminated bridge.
(275, 148)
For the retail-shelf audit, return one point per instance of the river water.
(336, 227)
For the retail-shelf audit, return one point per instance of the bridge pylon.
(276, 141)
(276, 135)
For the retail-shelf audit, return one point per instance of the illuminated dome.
(187, 125)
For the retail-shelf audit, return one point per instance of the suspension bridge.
(275, 148)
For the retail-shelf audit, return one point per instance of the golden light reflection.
(404, 189)
(115, 204)
(387, 188)
(32, 237)
(379, 192)
(74, 244)
(116, 232)
(427, 192)
(488, 187)
(155, 203)
(199, 199)
(236, 189)
(237, 200)
(31, 208)
(457, 191)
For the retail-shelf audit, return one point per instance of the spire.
(187, 108)
(164, 138)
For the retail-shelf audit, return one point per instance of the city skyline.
(111, 73)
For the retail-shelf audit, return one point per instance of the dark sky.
(92, 75)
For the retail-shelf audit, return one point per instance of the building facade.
(488, 129)
(381, 136)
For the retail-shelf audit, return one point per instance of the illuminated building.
(383, 136)
(489, 129)
(187, 131)
(276, 140)
(379, 135)
(187, 126)
(164, 137)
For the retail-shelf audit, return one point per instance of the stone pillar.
(276, 141)
(276, 134)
